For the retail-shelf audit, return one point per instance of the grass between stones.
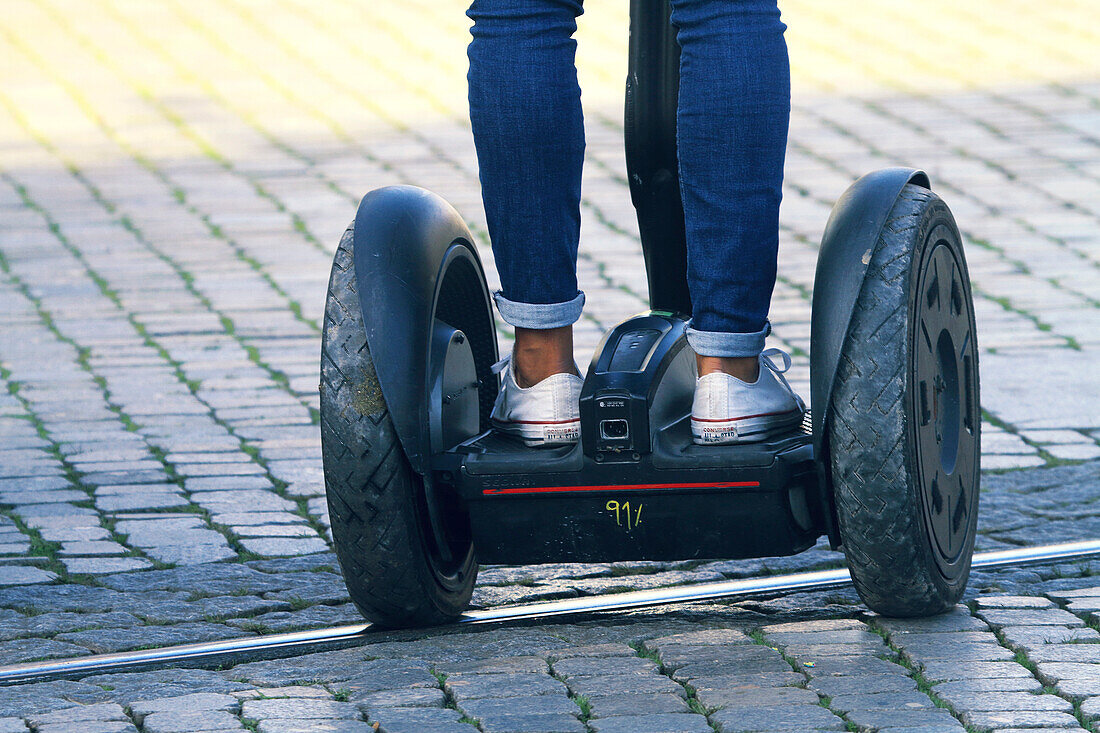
(581, 701)
(758, 637)
(449, 699)
(693, 702)
(1021, 658)
(278, 377)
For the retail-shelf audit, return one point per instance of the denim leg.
(732, 120)
(525, 110)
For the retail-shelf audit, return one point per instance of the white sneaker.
(727, 410)
(547, 413)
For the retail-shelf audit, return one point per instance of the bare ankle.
(745, 368)
(541, 353)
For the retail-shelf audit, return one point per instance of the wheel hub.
(946, 411)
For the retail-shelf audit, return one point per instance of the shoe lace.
(766, 359)
(501, 365)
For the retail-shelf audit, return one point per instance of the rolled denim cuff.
(717, 343)
(539, 315)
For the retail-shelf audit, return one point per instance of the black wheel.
(904, 431)
(399, 570)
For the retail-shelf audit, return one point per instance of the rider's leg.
(732, 122)
(525, 110)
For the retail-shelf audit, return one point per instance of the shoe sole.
(539, 434)
(743, 429)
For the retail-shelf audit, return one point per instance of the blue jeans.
(732, 120)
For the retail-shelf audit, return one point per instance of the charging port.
(614, 429)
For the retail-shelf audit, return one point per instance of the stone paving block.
(282, 725)
(298, 708)
(816, 625)
(1041, 730)
(993, 701)
(46, 697)
(1019, 719)
(31, 496)
(994, 684)
(187, 721)
(104, 711)
(596, 666)
(301, 529)
(553, 723)
(936, 728)
(999, 618)
(421, 697)
(215, 579)
(24, 575)
(911, 700)
(957, 619)
(103, 565)
(595, 687)
(637, 704)
(528, 706)
(136, 501)
(787, 718)
(529, 663)
(810, 652)
(878, 719)
(1090, 708)
(467, 686)
(730, 681)
(674, 656)
(1028, 637)
(48, 624)
(946, 670)
(91, 547)
(666, 722)
(706, 637)
(193, 702)
(226, 483)
(774, 666)
(235, 501)
(841, 636)
(414, 719)
(960, 653)
(858, 684)
(306, 618)
(757, 697)
(281, 546)
(208, 547)
(295, 691)
(105, 641)
(239, 519)
(849, 665)
(29, 650)
(1054, 673)
(89, 726)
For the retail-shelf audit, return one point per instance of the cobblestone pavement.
(173, 181)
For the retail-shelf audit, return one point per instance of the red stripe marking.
(735, 419)
(619, 487)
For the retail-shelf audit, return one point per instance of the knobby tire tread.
(874, 481)
(367, 476)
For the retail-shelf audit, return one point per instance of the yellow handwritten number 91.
(623, 514)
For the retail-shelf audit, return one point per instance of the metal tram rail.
(283, 645)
